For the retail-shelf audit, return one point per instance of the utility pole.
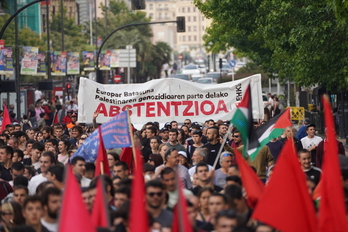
(17, 76)
(62, 46)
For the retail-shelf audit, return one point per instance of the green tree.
(161, 55)
(298, 40)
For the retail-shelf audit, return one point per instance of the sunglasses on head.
(152, 194)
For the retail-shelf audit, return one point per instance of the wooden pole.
(132, 139)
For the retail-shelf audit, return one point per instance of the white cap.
(182, 153)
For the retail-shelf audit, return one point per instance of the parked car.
(191, 69)
(214, 75)
(186, 77)
(203, 68)
(195, 77)
(206, 80)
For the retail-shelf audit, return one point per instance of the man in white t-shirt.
(51, 198)
(38, 95)
(311, 141)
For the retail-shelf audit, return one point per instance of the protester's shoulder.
(166, 213)
(316, 169)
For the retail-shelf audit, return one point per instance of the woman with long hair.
(182, 137)
(38, 110)
(38, 136)
(11, 215)
(63, 147)
(163, 149)
(203, 197)
(154, 144)
(155, 159)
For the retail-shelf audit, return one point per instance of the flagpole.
(132, 138)
(101, 163)
(222, 145)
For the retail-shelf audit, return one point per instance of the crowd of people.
(33, 161)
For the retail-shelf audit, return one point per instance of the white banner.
(165, 100)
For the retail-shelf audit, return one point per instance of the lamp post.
(17, 75)
(62, 46)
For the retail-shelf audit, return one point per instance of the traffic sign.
(117, 78)
(2, 44)
(180, 57)
(232, 63)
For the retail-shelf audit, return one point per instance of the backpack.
(26, 126)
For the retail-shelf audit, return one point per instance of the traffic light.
(138, 4)
(220, 63)
(180, 24)
(68, 88)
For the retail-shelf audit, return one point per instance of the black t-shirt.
(196, 189)
(146, 153)
(314, 174)
(145, 142)
(212, 153)
(5, 174)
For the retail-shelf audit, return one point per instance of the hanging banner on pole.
(114, 58)
(6, 60)
(58, 63)
(104, 60)
(41, 64)
(88, 61)
(29, 60)
(73, 63)
(165, 100)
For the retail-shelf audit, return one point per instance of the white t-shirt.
(270, 100)
(52, 227)
(309, 142)
(85, 182)
(38, 94)
(34, 182)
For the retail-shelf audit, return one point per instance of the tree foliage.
(298, 40)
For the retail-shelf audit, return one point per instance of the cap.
(73, 115)
(182, 153)
(164, 129)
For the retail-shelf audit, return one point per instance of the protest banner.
(88, 61)
(29, 60)
(115, 134)
(6, 61)
(168, 99)
(41, 64)
(58, 63)
(114, 58)
(104, 60)
(73, 64)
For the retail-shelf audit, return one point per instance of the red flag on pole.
(73, 215)
(100, 216)
(5, 119)
(127, 156)
(101, 165)
(138, 214)
(251, 182)
(181, 221)
(332, 210)
(286, 204)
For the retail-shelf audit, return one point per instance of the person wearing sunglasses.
(187, 123)
(236, 139)
(155, 195)
(11, 215)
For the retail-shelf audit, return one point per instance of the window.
(183, 10)
(166, 16)
(195, 38)
(194, 28)
(189, 38)
(151, 7)
(188, 9)
(189, 28)
(202, 28)
(188, 19)
(202, 18)
(194, 9)
(160, 16)
(194, 19)
(151, 15)
(183, 38)
(165, 6)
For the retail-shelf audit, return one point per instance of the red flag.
(181, 221)
(100, 217)
(286, 204)
(138, 214)
(332, 211)
(101, 164)
(5, 119)
(73, 207)
(251, 182)
(127, 156)
(55, 118)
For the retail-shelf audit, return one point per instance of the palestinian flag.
(270, 130)
(243, 119)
